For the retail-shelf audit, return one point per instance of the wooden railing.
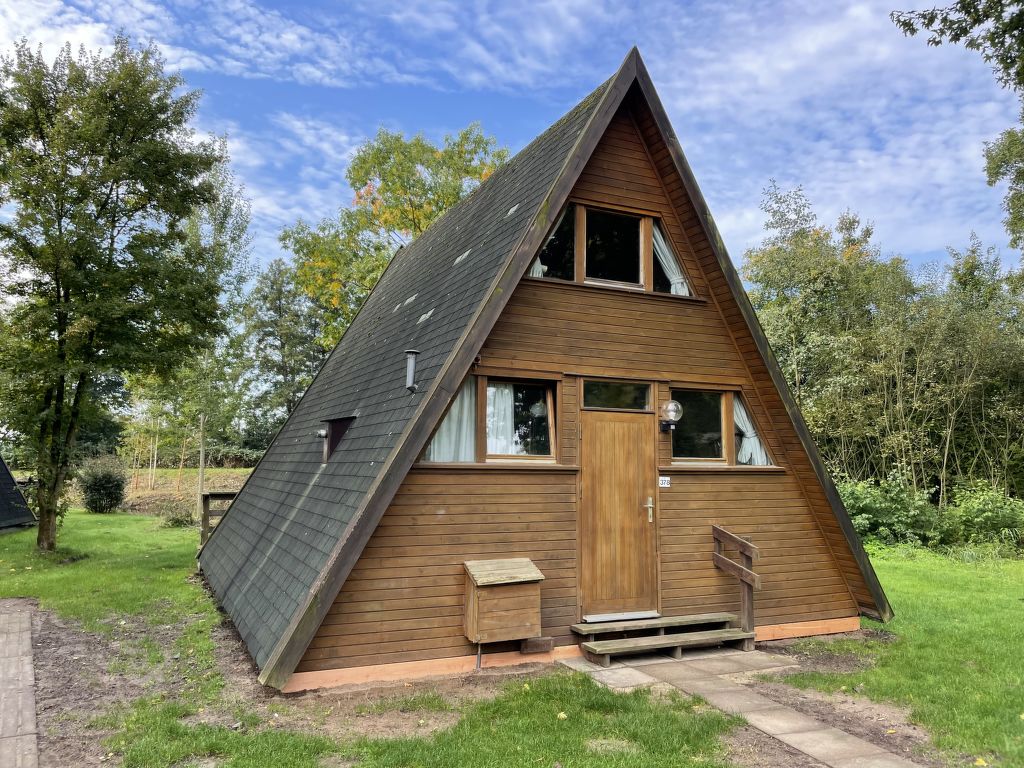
(208, 513)
(743, 570)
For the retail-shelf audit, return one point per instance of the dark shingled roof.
(279, 557)
(13, 509)
(269, 550)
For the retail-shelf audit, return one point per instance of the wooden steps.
(603, 650)
(662, 623)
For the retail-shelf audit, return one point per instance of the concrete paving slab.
(707, 653)
(677, 672)
(17, 712)
(19, 752)
(721, 665)
(830, 745)
(738, 702)
(16, 672)
(15, 643)
(780, 719)
(704, 685)
(623, 677)
(881, 760)
(579, 664)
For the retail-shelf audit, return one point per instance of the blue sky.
(827, 95)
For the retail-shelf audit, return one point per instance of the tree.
(995, 28)
(282, 330)
(101, 170)
(402, 186)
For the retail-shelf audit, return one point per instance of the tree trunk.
(46, 506)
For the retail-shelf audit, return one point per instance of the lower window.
(716, 426)
(517, 416)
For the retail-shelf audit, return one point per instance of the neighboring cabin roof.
(13, 509)
(277, 560)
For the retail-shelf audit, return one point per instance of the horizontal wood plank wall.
(404, 599)
(761, 384)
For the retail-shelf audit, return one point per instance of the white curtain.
(749, 448)
(455, 439)
(501, 429)
(537, 269)
(669, 263)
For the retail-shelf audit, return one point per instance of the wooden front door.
(619, 569)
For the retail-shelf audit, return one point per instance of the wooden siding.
(403, 602)
(404, 599)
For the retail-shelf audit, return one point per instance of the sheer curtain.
(749, 449)
(455, 439)
(501, 428)
(536, 269)
(667, 260)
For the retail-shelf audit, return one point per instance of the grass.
(958, 661)
(426, 701)
(568, 720)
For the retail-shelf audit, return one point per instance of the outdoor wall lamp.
(671, 412)
(410, 369)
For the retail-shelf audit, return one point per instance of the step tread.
(664, 622)
(686, 639)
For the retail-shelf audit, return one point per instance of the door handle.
(650, 509)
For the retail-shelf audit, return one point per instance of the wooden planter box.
(502, 600)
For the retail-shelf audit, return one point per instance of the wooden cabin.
(554, 427)
(14, 512)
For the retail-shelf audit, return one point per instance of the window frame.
(647, 221)
(728, 457)
(651, 394)
(482, 455)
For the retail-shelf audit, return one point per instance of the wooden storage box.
(502, 600)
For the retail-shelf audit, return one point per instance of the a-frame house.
(13, 509)
(592, 392)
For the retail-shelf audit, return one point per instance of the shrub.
(102, 481)
(891, 512)
(987, 514)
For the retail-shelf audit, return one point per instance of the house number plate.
(664, 482)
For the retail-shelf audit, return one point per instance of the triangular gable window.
(616, 249)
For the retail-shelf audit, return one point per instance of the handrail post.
(747, 603)
(205, 533)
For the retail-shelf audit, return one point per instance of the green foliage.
(995, 28)
(891, 511)
(979, 523)
(102, 481)
(987, 514)
(100, 170)
(402, 186)
(918, 376)
(956, 661)
(282, 336)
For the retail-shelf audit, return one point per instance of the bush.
(891, 512)
(986, 514)
(102, 481)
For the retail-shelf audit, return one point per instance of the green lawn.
(958, 661)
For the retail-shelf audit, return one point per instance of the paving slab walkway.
(706, 674)
(18, 746)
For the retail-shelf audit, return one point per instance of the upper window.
(518, 418)
(333, 433)
(558, 256)
(614, 248)
(617, 395)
